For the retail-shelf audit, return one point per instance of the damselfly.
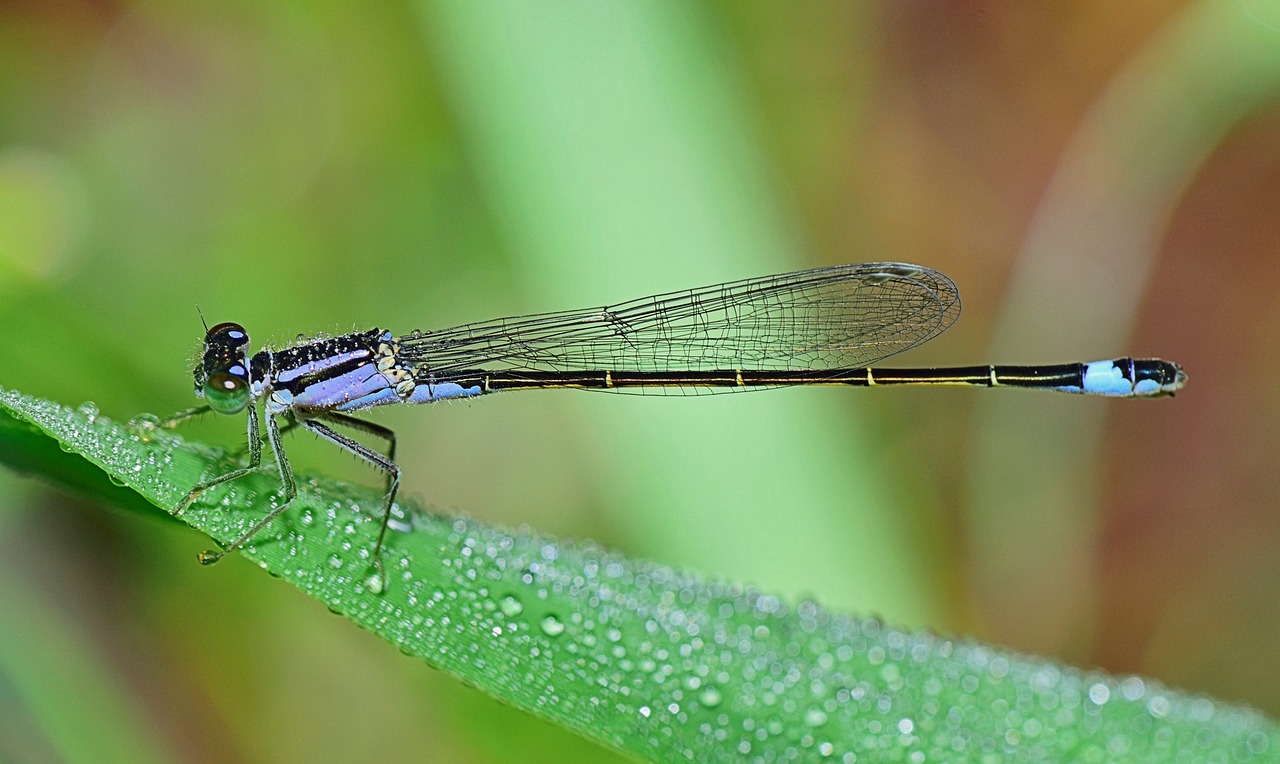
(824, 326)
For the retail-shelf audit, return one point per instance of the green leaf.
(662, 665)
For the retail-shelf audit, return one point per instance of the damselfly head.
(222, 375)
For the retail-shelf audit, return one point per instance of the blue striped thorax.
(347, 373)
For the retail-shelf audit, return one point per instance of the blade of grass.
(662, 665)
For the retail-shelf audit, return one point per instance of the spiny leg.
(143, 424)
(209, 557)
(369, 428)
(377, 431)
(288, 427)
(255, 458)
(182, 416)
(384, 463)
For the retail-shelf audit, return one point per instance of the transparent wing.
(844, 316)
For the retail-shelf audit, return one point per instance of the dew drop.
(551, 625)
(144, 426)
(510, 606)
(815, 717)
(710, 697)
(89, 410)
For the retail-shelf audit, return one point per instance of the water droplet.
(335, 561)
(1132, 687)
(710, 697)
(375, 583)
(815, 717)
(89, 410)
(551, 625)
(510, 606)
(144, 426)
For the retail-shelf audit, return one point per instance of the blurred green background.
(1100, 179)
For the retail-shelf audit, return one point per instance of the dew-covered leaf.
(662, 665)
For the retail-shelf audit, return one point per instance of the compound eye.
(226, 393)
